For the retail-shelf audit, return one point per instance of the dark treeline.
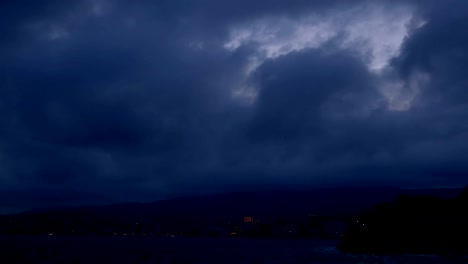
(94, 223)
(322, 213)
(411, 224)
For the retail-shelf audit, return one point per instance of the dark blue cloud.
(104, 101)
(298, 92)
(438, 49)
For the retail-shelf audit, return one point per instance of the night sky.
(115, 101)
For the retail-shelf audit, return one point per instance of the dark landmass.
(411, 224)
(323, 213)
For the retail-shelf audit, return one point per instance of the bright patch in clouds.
(374, 33)
(400, 95)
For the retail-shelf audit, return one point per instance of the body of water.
(87, 249)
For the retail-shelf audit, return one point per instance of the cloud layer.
(107, 101)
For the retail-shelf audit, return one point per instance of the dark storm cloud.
(438, 49)
(14, 15)
(437, 53)
(104, 101)
(295, 97)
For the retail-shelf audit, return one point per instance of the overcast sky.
(111, 101)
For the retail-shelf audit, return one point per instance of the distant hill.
(411, 225)
(195, 213)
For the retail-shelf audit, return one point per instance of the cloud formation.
(106, 101)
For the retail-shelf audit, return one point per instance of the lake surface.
(56, 249)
